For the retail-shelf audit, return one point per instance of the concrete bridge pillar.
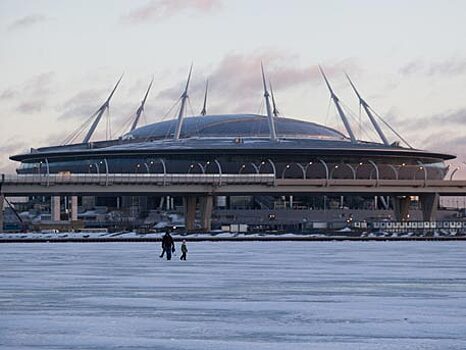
(206, 205)
(429, 205)
(401, 207)
(189, 203)
(74, 208)
(169, 202)
(2, 201)
(55, 208)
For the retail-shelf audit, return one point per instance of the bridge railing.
(141, 179)
(210, 179)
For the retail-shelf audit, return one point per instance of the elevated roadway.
(219, 184)
(205, 186)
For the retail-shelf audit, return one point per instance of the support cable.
(391, 128)
(368, 132)
(126, 125)
(74, 134)
(163, 118)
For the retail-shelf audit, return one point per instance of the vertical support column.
(401, 207)
(74, 208)
(189, 204)
(206, 205)
(429, 205)
(55, 208)
(2, 201)
(385, 202)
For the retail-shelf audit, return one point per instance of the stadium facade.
(241, 143)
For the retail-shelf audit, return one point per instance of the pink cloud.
(162, 9)
(236, 81)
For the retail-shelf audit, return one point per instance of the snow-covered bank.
(243, 295)
(223, 236)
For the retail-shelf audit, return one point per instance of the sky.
(60, 59)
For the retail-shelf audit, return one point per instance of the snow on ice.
(235, 295)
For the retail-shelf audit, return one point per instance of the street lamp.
(356, 169)
(96, 165)
(333, 170)
(284, 170)
(423, 169)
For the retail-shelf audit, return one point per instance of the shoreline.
(233, 239)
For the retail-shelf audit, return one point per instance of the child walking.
(184, 250)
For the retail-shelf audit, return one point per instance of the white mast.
(141, 108)
(275, 110)
(204, 106)
(339, 109)
(184, 97)
(369, 113)
(273, 135)
(99, 113)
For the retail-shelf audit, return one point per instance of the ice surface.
(234, 295)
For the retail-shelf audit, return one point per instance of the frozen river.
(245, 295)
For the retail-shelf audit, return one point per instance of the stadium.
(240, 143)
(244, 144)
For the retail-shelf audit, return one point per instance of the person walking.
(168, 246)
(163, 251)
(184, 250)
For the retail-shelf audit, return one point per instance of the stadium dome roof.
(201, 135)
(235, 125)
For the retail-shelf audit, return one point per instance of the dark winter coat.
(167, 242)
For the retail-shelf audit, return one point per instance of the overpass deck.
(222, 184)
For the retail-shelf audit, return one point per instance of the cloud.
(447, 125)
(159, 10)
(236, 80)
(411, 68)
(453, 66)
(83, 103)
(8, 94)
(37, 86)
(453, 145)
(452, 117)
(31, 96)
(11, 146)
(443, 132)
(447, 118)
(30, 106)
(450, 67)
(27, 21)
